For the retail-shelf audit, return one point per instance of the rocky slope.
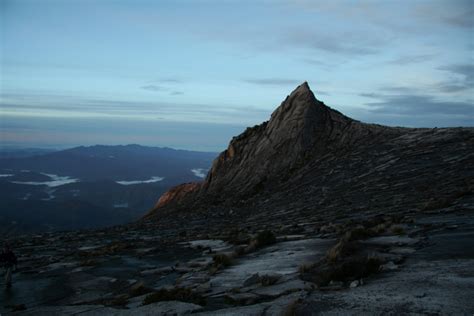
(311, 159)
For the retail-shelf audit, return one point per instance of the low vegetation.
(398, 230)
(175, 294)
(222, 259)
(263, 239)
(349, 259)
(139, 289)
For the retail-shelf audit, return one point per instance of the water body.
(151, 180)
(121, 205)
(54, 182)
(199, 172)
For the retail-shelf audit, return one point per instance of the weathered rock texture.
(311, 158)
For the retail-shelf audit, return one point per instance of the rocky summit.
(311, 160)
(310, 213)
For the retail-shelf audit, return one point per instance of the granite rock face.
(324, 159)
(265, 153)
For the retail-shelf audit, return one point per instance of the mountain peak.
(303, 87)
(300, 127)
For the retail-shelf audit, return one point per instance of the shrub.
(139, 289)
(350, 269)
(221, 259)
(269, 279)
(265, 238)
(305, 268)
(398, 230)
(360, 232)
(291, 309)
(176, 294)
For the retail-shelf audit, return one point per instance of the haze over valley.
(87, 187)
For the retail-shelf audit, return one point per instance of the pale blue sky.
(192, 74)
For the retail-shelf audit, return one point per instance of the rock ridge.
(308, 149)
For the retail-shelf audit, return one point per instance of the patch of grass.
(176, 294)
(139, 289)
(345, 245)
(237, 237)
(352, 268)
(269, 279)
(222, 259)
(291, 309)
(253, 245)
(305, 268)
(265, 238)
(89, 263)
(120, 300)
(358, 233)
(239, 251)
(346, 261)
(398, 230)
(379, 229)
(341, 250)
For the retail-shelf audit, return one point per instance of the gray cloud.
(420, 105)
(399, 90)
(153, 88)
(451, 87)
(403, 106)
(319, 92)
(465, 70)
(370, 95)
(464, 78)
(61, 106)
(171, 80)
(464, 19)
(167, 80)
(325, 65)
(177, 93)
(347, 43)
(273, 81)
(406, 60)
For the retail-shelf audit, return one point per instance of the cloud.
(344, 43)
(399, 90)
(420, 105)
(406, 60)
(370, 95)
(273, 81)
(464, 19)
(402, 106)
(465, 70)
(463, 78)
(166, 85)
(75, 107)
(171, 80)
(167, 80)
(153, 88)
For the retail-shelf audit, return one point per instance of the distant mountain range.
(100, 185)
(14, 152)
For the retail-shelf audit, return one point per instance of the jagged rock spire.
(268, 152)
(295, 129)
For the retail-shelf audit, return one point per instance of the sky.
(193, 74)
